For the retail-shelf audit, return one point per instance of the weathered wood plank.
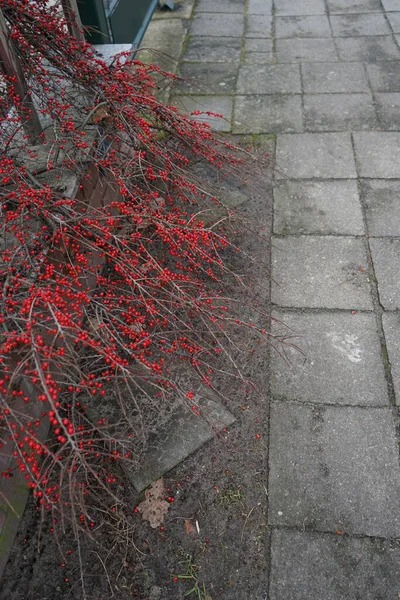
(74, 23)
(11, 67)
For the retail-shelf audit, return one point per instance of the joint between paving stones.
(313, 405)
(378, 308)
(333, 534)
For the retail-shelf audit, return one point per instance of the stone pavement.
(323, 76)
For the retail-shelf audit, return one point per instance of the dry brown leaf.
(188, 527)
(100, 114)
(154, 507)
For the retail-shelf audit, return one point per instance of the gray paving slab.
(260, 7)
(220, 25)
(300, 7)
(207, 78)
(334, 468)
(308, 566)
(269, 79)
(320, 272)
(259, 26)
(216, 104)
(272, 114)
(339, 112)
(182, 10)
(384, 76)
(340, 360)
(314, 26)
(222, 6)
(359, 24)
(162, 43)
(258, 58)
(377, 154)
(315, 155)
(381, 199)
(386, 259)
(258, 45)
(213, 49)
(311, 50)
(394, 20)
(391, 327)
(388, 110)
(334, 78)
(390, 5)
(258, 51)
(319, 207)
(185, 434)
(356, 6)
(369, 48)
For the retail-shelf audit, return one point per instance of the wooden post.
(10, 65)
(73, 19)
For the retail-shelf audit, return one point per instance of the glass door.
(115, 21)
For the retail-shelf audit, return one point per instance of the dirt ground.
(213, 545)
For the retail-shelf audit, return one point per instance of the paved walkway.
(324, 76)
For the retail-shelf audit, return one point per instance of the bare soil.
(214, 542)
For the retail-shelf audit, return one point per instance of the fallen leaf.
(154, 507)
(100, 114)
(188, 527)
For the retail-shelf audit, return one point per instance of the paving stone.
(260, 7)
(268, 114)
(258, 45)
(340, 360)
(324, 207)
(300, 7)
(362, 24)
(381, 199)
(163, 42)
(269, 79)
(339, 112)
(182, 10)
(386, 259)
(259, 26)
(258, 58)
(388, 110)
(185, 434)
(311, 50)
(391, 327)
(207, 78)
(213, 49)
(218, 104)
(355, 6)
(258, 51)
(368, 49)
(384, 76)
(320, 272)
(220, 25)
(308, 566)
(324, 78)
(394, 20)
(378, 154)
(222, 6)
(334, 468)
(390, 4)
(314, 26)
(315, 156)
